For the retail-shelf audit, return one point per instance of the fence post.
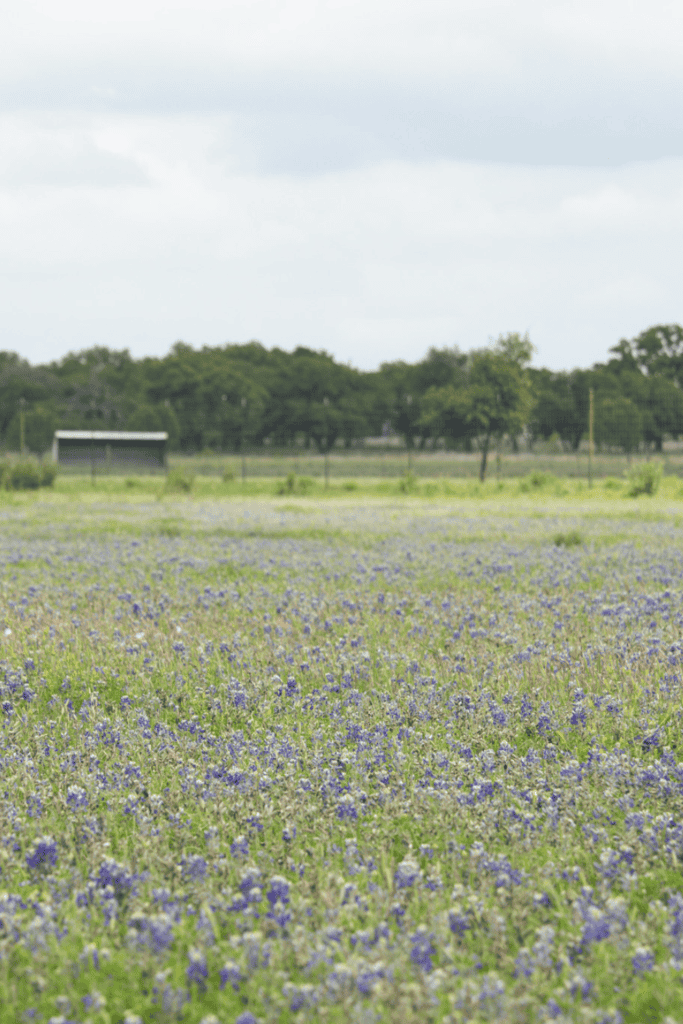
(590, 436)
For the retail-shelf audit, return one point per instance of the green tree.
(35, 385)
(658, 351)
(444, 414)
(618, 423)
(662, 412)
(497, 399)
(40, 423)
(554, 409)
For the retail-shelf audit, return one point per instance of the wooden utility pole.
(590, 437)
(22, 414)
(243, 440)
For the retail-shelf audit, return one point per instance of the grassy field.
(402, 755)
(391, 464)
(193, 479)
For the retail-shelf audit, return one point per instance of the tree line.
(239, 396)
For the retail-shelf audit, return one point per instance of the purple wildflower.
(43, 854)
(197, 971)
(230, 974)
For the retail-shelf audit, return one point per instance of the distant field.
(391, 464)
(536, 486)
(424, 464)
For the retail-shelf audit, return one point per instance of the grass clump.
(570, 539)
(294, 484)
(644, 478)
(536, 481)
(178, 482)
(408, 483)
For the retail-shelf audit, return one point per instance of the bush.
(48, 472)
(228, 476)
(408, 483)
(26, 476)
(294, 485)
(536, 481)
(350, 485)
(287, 486)
(644, 478)
(571, 539)
(178, 482)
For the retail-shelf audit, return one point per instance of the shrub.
(350, 485)
(48, 473)
(294, 485)
(20, 476)
(536, 481)
(408, 483)
(644, 478)
(228, 475)
(26, 476)
(178, 482)
(571, 539)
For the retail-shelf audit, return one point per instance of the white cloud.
(371, 263)
(369, 177)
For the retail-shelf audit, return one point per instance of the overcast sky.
(371, 178)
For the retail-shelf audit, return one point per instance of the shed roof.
(110, 435)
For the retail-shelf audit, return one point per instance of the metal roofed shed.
(107, 450)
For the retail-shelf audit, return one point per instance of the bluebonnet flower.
(197, 971)
(76, 797)
(239, 847)
(154, 931)
(35, 806)
(675, 930)
(524, 964)
(459, 921)
(94, 1001)
(544, 724)
(346, 808)
(578, 716)
(247, 1017)
(230, 974)
(117, 877)
(423, 949)
(643, 960)
(579, 985)
(526, 708)
(194, 867)
(278, 891)
(43, 854)
(407, 873)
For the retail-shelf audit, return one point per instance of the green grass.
(539, 488)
